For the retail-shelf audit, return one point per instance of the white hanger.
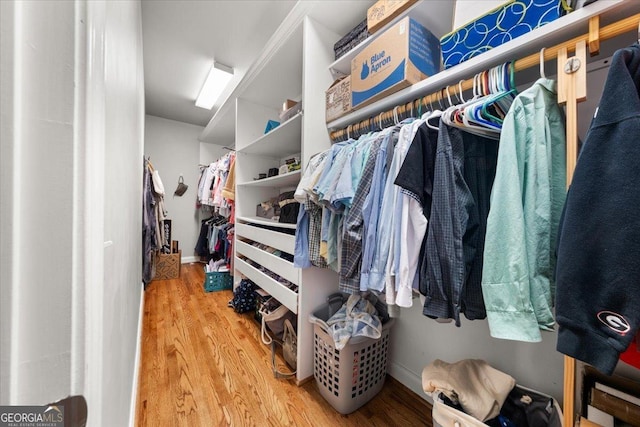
(433, 114)
(395, 115)
(542, 75)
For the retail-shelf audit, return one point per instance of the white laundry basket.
(350, 377)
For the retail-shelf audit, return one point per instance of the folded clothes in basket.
(356, 318)
(476, 386)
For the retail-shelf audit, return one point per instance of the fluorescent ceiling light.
(218, 78)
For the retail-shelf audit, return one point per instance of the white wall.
(468, 10)
(71, 151)
(175, 150)
(417, 340)
(209, 153)
(7, 143)
(124, 139)
(37, 209)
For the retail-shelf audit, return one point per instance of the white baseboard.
(136, 368)
(409, 379)
(188, 259)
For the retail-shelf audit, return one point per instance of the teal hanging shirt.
(526, 203)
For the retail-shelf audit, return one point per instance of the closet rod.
(612, 30)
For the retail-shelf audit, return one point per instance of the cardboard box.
(168, 266)
(338, 99)
(288, 104)
(384, 11)
(399, 57)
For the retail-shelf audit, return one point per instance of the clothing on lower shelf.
(216, 239)
(478, 388)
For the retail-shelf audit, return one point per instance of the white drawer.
(277, 290)
(282, 241)
(274, 263)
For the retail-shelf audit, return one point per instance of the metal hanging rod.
(386, 118)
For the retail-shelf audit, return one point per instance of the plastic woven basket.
(350, 377)
(217, 281)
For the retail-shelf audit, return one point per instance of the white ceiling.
(181, 39)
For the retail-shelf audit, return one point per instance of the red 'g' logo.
(614, 321)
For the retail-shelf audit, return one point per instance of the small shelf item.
(271, 125)
(283, 141)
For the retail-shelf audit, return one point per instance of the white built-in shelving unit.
(292, 66)
(298, 63)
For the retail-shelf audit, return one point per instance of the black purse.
(289, 208)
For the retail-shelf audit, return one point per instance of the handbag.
(289, 208)
(244, 298)
(290, 345)
(182, 187)
(278, 320)
(274, 315)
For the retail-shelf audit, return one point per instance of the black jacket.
(598, 268)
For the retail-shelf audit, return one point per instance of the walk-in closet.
(320, 213)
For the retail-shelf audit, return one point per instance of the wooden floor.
(204, 365)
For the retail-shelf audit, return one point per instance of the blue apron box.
(401, 56)
(496, 27)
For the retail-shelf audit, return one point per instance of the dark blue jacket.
(598, 267)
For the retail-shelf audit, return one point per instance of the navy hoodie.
(598, 268)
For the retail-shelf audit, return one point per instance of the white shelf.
(280, 142)
(285, 180)
(553, 33)
(265, 221)
(283, 241)
(277, 290)
(281, 267)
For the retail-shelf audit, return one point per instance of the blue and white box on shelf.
(496, 27)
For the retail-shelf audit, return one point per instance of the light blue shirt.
(329, 173)
(388, 209)
(301, 251)
(371, 211)
(351, 173)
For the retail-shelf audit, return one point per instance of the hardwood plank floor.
(204, 365)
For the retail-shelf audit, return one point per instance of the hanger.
(433, 114)
(484, 116)
(542, 75)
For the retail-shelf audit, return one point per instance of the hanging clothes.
(229, 188)
(351, 254)
(416, 179)
(375, 277)
(598, 273)
(372, 206)
(526, 203)
(149, 221)
(463, 174)
(216, 186)
(307, 238)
